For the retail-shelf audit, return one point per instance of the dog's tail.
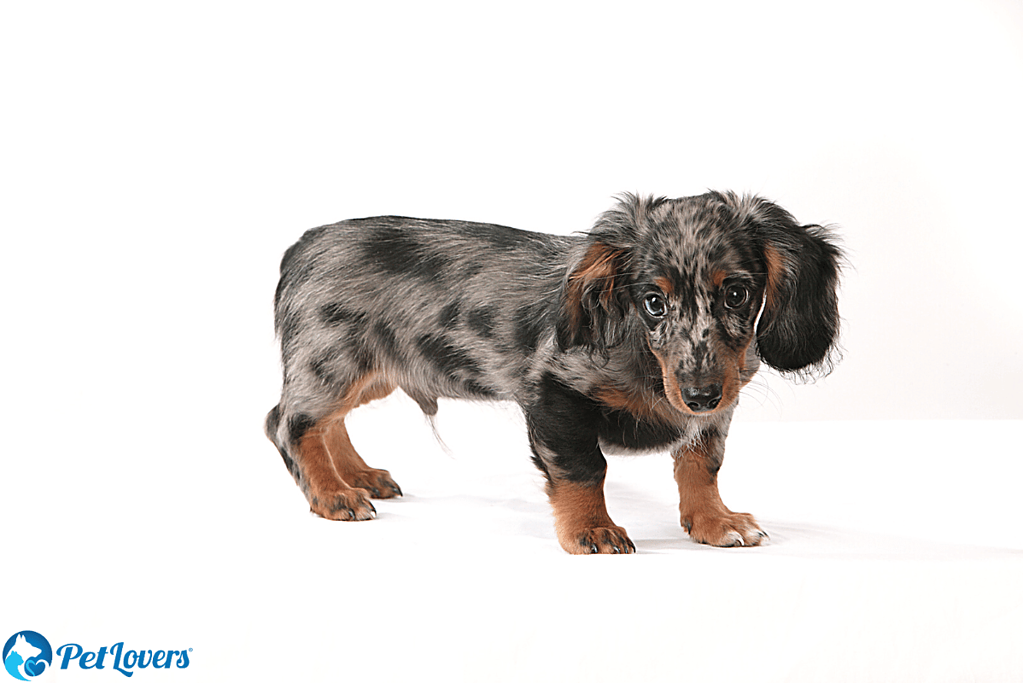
(431, 418)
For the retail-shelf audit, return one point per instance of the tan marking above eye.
(665, 285)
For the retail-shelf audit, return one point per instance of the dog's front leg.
(703, 515)
(581, 520)
(563, 436)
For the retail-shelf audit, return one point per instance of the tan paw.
(377, 482)
(345, 505)
(601, 540)
(728, 530)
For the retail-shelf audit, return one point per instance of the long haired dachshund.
(636, 336)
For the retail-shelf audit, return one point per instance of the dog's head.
(686, 280)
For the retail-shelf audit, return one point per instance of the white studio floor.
(896, 554)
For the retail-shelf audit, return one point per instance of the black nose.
(701, 399)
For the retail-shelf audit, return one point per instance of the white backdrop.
(157, 160)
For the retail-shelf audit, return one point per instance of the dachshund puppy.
(636, 336)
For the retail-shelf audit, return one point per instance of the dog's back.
(440, 307)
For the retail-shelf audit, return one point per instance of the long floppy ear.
(593, 305)
(798, 328)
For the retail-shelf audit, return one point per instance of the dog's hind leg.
(352, 469)
(329, 495)
(317, 450)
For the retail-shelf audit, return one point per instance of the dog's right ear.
(593, 302)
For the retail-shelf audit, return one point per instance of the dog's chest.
(621, 431)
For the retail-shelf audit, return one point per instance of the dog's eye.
(655, 305)
(735, 296)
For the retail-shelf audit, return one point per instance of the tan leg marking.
(351, 468)
(347, 462)
(703, 515)
(340, 481)
(329, 495)
(581, 520)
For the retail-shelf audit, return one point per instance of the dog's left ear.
(798, 328)
(592, 300)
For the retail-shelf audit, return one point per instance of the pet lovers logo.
(28, 654)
